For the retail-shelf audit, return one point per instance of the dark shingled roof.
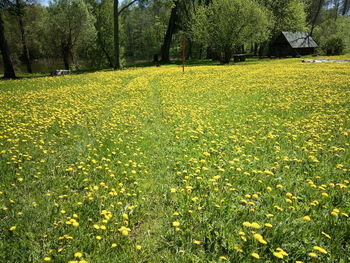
(300, 39)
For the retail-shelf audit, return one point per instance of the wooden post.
(183, 54)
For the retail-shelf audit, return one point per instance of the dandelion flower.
(176, 223)
(320, 249)
(255, 225)
(260, 239)
(326, 235)
(255, 255)
(307, 218)
(278, 255)
(313, 255)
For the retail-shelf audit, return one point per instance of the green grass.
(184, 163)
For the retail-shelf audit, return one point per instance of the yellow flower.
(12, 228)
(138, 247)
(197, 242)
(246, 224)
(78, 254)
(278, 255)
(114, 245)
(268, 225)
(284, 253)
(223, 258)
(124, 230)
(320, 249)
(313, 255)
(175, 223)
(47, 258)
(255, 255)
(307, 218)
(255, 225)
(326, 235)
(260, 239)
(173, 190)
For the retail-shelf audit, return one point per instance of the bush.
(334, 46)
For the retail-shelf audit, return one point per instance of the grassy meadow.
(240, 163)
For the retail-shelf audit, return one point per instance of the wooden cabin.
(293, 44)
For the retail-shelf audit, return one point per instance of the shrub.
(334, 46)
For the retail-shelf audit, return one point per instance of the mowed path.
(153, 165)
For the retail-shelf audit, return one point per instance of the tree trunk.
(104, 50)
(336, 9)
(189, 50)
(319, 7)
(20, 13)
(25, 46)
(9, 72)
(165, 51)
(345, 7)
(116, 36)
(226, 55)
(65, 55)
(256, 48)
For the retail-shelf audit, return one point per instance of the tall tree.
(19, 9)
(165, 50)
(226, 25)
(71, 24)
(9, 72)
(117, 12)
(319, 6)
(287, 15)
(346, 7)
(117, 64)
(104, 28)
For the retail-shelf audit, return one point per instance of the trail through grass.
(238, 163)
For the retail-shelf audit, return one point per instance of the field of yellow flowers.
(240, 163)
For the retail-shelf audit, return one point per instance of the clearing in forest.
(238, 163)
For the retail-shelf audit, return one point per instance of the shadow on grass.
(145, 64)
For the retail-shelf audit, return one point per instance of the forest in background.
(80, 34)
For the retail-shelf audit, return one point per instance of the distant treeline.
(85, 30)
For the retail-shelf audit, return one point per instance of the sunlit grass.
(237, 163)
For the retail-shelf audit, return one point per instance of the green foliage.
(145, 28)
(334, 46)
(333, 36)
(102, 53)
(288, 15)
(225, 25)
(71, 26)
(35, 18)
